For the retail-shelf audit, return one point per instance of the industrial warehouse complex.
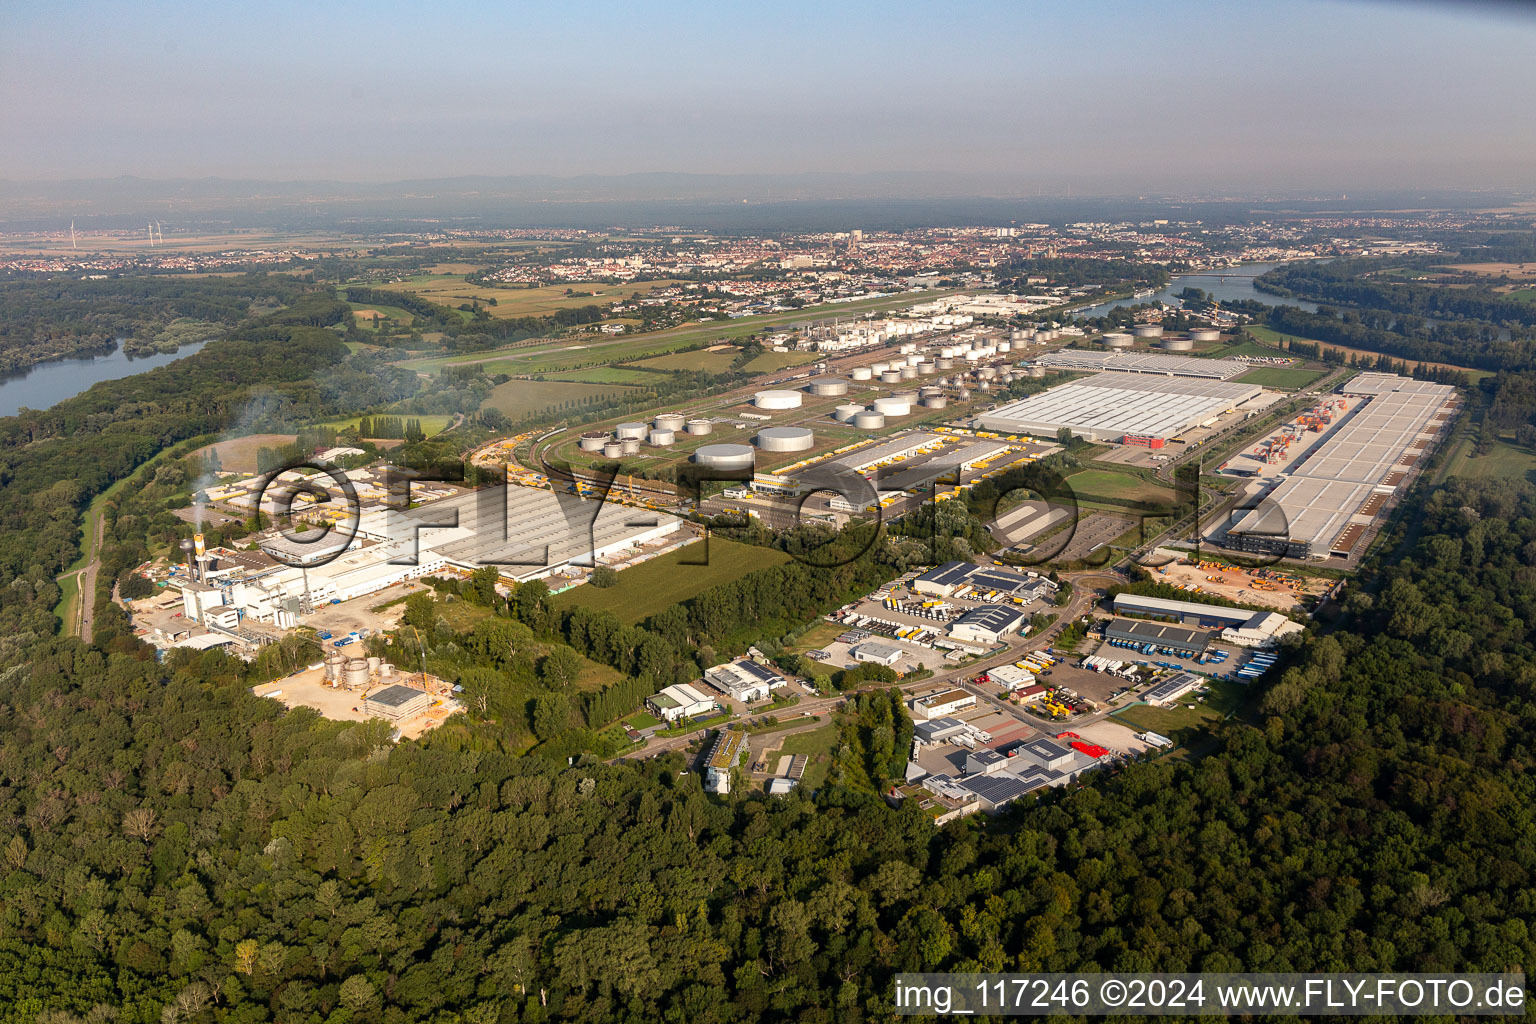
(1122, 407)
(1324, 506)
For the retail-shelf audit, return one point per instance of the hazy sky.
(1132, 96)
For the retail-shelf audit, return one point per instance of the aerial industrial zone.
(1018, 674)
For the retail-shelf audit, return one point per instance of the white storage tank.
(868, 420)
(927, 366)
(935, 402)
(672, 421)
(1148, 330)
(725, 456)
(785, 439)
(914, 359)
(1204, 334)
(828, 387)
(891, 377)
(1116, 339)
(614, 449)
(700, 427)
(861, 373)
(355, 673)
(662, 438)
(844, 413)
(1004, 347)
(879, 367)
(944, 363)
(593, 440)
(630, 446)
(891, 406)
(986, 372)
(908, 373)
(635, 430)
(1178, 344)
(777, 399)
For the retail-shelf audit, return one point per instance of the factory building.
(1325, 505)
(1190, 613)
(1161, 635)
(942, 704)
(878, 653)
(397, 703)
(986, 624)
(1172, 688)
(1109, 406)
(1142, 362)
(746, 681)
(1263, 629)
(725, 752)
(678, 701)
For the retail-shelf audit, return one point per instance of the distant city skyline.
(1008, 97)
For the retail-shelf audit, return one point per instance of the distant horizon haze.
(1201, 97)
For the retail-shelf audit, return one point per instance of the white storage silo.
(662, 438)
(725, 456)
(891, 406)
(777, 399)
(699, 426)
(868, 420)
(861, 373)
(785, 439)
(844, 413)
(635, 430)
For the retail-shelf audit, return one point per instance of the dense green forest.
(47, 318)
(178, 844)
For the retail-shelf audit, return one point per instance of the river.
(1223, 289)
(45, 384)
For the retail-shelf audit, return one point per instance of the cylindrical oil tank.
(374, 665)
(1047, 334)
(1116, 339)
(1037, 371)
(1204, 334)
(945, 362)
(868, 420)
(662, 438)
(844, 413)
(725, 456)
(927, 366)
(672, 421)
(1178, 344)
(355, 672)
(861, 373)
(986, 372)
(700, 427)
(1148, 330)
(785, 439)
(635, 430)
(1004, 347)
(777, 399)
(914, 358)
(614, 449)
(879, 367)
(935, 402)
(630, 446)
(890, 377)
(334, 660)
(828, 387)
(891, 406)
(908, 373)
(593, 440)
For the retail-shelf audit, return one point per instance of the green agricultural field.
(1286, 378)
(647, 588)
(1179, 721)
(519, 398)
(450, 289)
(1506, 461)
(699, 359)
(608, 375)
(1523, 295)
(1108, 485)
(432, 423)
(768, 362)
(1248, 348)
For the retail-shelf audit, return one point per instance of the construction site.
(357, 689)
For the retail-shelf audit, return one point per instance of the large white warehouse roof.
(1106, 406)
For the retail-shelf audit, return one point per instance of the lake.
(1223, 289)
(46, 384)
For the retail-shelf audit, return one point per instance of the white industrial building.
(1325, 505)
(746, 681)
(1137, 362)
(986, 624)
(878, 653)
(678, 701)
(1111, 406)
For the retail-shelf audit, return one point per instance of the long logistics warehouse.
(1142, 362)
(1326, 504)
(1114, 406)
